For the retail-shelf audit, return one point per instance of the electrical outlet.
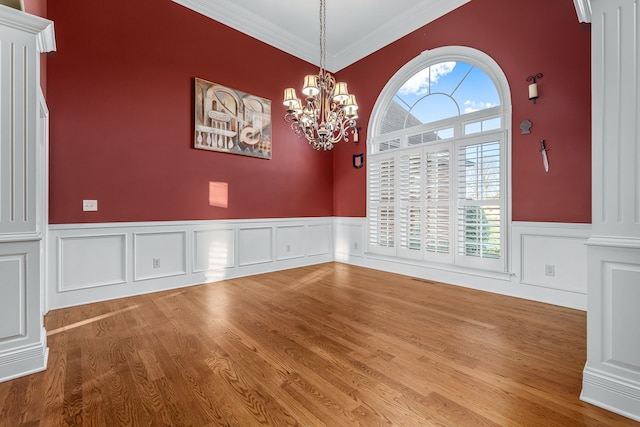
(288, 248)
(89, 205)
(156, 263)
(355, 246)
(549, 270)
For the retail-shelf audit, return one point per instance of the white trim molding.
(302, 40)
(19, 361)
(96, 262)
(611, 392)
(583, 9)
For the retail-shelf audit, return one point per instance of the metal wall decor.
(358, 160)
(525, 126)
(231, 121)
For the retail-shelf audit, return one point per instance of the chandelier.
(329, 111)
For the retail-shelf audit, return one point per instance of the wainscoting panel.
(349, 238)
(96, 262)
(320, 239)
(91, 261)
(213, 250)
(13, 300)
(290, 242)
(23, 340)
(552, 256)
(621, 288)
(256, 244)
(159, 254)
(611, 377)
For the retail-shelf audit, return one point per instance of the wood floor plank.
(324, 345)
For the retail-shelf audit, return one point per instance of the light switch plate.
(89, 205)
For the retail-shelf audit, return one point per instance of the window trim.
(492, 69)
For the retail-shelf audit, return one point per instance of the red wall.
(120, 92)
(36, 7)
(524, 38)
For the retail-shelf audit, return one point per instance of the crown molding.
(376, 38)
(583, 9)
(46, 39)
(41, 27)
(255, 26)
(394, 29)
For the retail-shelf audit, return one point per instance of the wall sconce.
(533, 87)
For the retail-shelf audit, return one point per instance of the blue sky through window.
(447, 89)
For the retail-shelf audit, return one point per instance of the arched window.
(438, 161)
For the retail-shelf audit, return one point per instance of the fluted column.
(612, 373)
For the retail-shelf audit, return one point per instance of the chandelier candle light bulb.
(329, 110)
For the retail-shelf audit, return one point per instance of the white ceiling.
(355, 28)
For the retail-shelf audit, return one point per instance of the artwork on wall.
(231, 121)
(16, 4)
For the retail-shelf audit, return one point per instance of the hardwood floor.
(327, 345)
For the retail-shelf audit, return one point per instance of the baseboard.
(26, 360)
(612, 393)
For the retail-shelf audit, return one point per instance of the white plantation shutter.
(381, 214)
(410, 200)
(437, 196)
(479, 216)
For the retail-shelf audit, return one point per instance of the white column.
(23, 171)
(612, 374)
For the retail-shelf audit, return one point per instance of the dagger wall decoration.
(545, 160)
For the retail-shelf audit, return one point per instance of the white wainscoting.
(533, 247)
(538, 245)
(96, 262)
(23, 342)
(611, 377)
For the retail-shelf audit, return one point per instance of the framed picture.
(231, 121)
(16, 4)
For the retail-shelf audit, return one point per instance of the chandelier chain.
(323, 34)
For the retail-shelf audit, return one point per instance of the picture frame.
(230, 121)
